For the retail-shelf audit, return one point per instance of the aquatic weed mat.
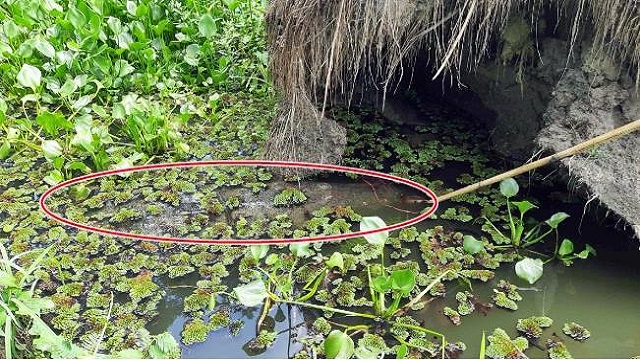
(87, 268)
(228, 202)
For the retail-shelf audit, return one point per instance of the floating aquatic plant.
(501, 346)
(261, 342)
(557, 350)
(465, 303)
(576, 331)
(236, 327)
(220, 319)
(482, 275)
(509, 289)
(197, 301)
(321, 326)
(125, 214)
(453, 315)
(532, 326)
(371, 346)
(194, 331)
(289, 196)
(141, 286)
(502, 300)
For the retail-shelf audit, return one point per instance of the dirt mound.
(587, 102)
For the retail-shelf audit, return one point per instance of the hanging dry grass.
(325, 49)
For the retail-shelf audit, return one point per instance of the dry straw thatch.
(325, 49)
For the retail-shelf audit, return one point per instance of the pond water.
(600, 293)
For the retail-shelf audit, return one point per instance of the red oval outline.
(283, 164)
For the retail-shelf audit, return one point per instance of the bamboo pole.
(623, 130)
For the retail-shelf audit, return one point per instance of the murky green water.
(601, 293)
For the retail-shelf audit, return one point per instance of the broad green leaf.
(509, 188)
(471, 245)
(402, 351)
(336, 260)
(80, 192)
(231, 4)
(5, 150)
(78, 165)
(124, 40)
(338, 345)
(68, 88)
(54, 177)
(524, 206)
(590, 249)
(369, 350)
(381, 283)
(371, 223)
(212, 302)
(51, 149)
(132, 8)
(529, 269)
(207, 26)
(585, 253)
(122, 68)
(29, 77)
(300, 250)
(223, 61)
(272, 259)
(44, 47)
(259, 251)
(52, 122)
(556, 219)
(8, 227)
(13, 133)
(7, 279)
(76, 17)
(566, 248)
(192, 54)
(251, 294)
(35, 305)
(50, 5)
(82, 102)
(10, 29)
(403, 280)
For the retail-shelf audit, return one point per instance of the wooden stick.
(623, 130)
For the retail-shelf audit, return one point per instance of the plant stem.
(420, 328)
(326, 308)
(424, 292)
(536, 240)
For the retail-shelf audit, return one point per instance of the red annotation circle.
(256, 163)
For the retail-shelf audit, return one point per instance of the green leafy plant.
(20, 308)
(522, 235)
(566, 252)
(275, 284)
(289, 196)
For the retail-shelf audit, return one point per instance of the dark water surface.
(601, 293)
